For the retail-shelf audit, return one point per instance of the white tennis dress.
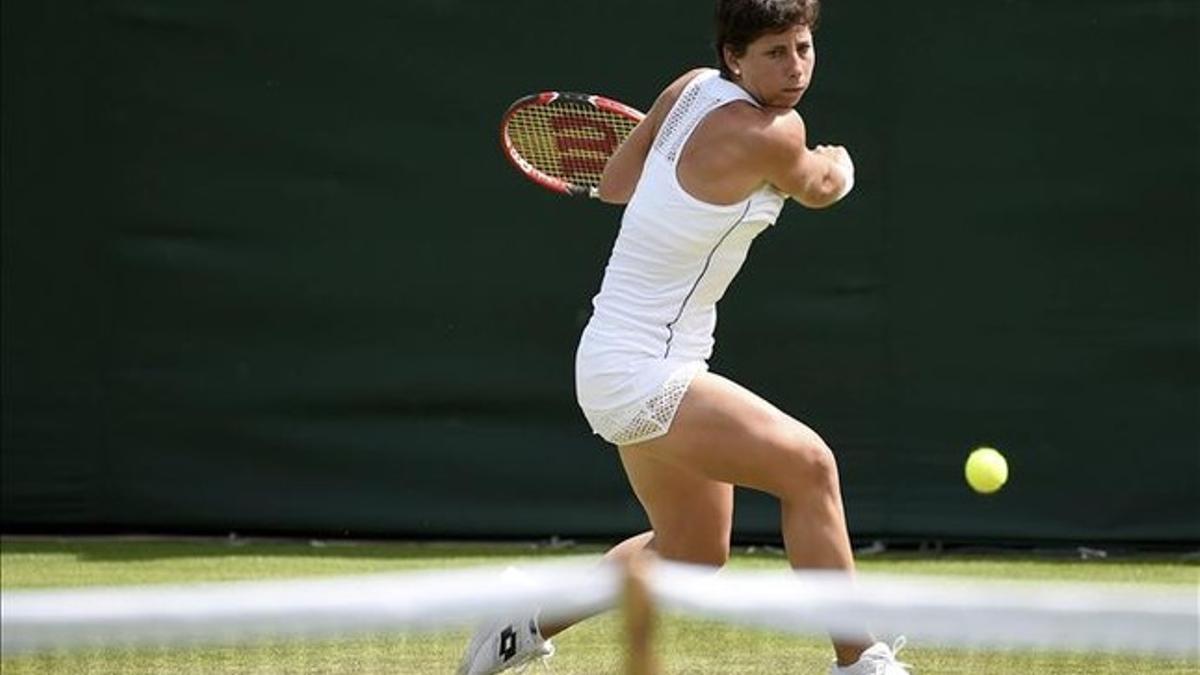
(651, 329)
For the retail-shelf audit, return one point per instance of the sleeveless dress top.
(651, 329)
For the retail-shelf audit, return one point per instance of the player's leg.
(726, 434)
(691, 516)
(621, 552)
(631, 547)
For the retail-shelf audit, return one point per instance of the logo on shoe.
(508, 643)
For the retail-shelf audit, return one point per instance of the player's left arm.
(624, 168)
(816, 177)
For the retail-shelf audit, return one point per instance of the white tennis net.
(1136, 619)
(950, 612)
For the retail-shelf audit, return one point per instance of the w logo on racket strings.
(562, 140)
(584, 144)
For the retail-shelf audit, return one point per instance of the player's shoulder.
(684, 79)
(782, 128)
(762, 129)
(667, 98)
(671, 93)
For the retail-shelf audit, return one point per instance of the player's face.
(777, 67)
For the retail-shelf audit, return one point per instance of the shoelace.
(544, 660)
(897, 645)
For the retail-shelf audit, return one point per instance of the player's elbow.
(815, 202)
(612, 189)
(612, 194)
(821, 195)
(827, 191)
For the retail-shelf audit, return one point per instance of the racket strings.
(566, 140)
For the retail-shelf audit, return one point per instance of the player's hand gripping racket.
(562, 140)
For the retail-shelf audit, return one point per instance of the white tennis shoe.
(502, 644)
(878, 659)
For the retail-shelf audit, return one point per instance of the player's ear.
(731, 60)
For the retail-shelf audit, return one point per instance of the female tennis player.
(707, 170)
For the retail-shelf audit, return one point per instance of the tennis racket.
(561, 140)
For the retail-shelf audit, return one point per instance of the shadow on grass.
(125, 549)
(1063, 555)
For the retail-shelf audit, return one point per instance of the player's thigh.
(727, 433)
(691, 515)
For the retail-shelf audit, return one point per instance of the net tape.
(951, 612)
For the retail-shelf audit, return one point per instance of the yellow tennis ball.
(986, 470)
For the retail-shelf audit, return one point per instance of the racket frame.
(549, 98)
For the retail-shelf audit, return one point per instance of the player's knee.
(711, 552)
(810, 465)
(712, 555)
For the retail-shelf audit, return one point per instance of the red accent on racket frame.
(571, 164)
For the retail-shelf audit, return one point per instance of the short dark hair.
(740, 22)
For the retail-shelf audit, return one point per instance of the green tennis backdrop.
(265, 269)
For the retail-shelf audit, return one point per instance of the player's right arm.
(624, 168)
(816, 177)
